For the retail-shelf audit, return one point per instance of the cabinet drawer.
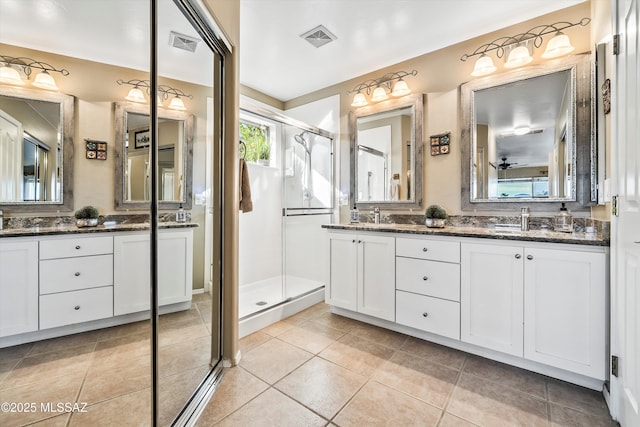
(430, 278)
(429, 314)
(76, 246)
(67, 308)
(71, 274)
(435, 250)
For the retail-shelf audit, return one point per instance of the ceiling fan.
(504, 165)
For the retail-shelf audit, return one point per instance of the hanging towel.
(246, 205)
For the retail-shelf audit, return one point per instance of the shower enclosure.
(282, 253)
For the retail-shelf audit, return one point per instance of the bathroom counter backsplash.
(541, 228)
(42, 226)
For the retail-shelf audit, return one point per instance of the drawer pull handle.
(359, 241)
(77, 273)
(529, 257)
(425, 278)
(77, 246)
(425, 249)
(77, 307)
(425, 314)
(518, 256)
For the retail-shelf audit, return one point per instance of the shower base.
(263, 303)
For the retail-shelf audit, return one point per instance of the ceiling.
(371, 34)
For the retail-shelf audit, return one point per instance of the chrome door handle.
(518, 256)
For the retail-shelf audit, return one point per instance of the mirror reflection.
(386, 164)
(32, 139)
(138, 159)
(133, 174)
(527, 137)
(524, 140)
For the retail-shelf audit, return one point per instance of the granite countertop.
(548, 236)
(72, 229)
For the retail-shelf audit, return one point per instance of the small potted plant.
(87, 216)
(435, 216)
(264, 153)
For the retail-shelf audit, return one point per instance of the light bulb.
(10, 76)
(559, 45)
(518, 57)
(177, 104)
(136, 95)
(400, 88)
(45, 81)
(379, 94)
(484, 65)
(359, 100)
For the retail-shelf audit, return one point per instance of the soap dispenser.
(181, 215)
(355, 215)
(563, 221)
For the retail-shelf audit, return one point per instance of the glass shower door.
(307, 204)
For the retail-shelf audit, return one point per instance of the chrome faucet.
(524, 219)
(376, 215)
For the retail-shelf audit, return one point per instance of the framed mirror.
(36, 150)
(133, 158)
(528, 138)
(386, 154)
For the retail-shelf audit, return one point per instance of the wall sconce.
(9, 73)
(520, 46)
(136, 95)
(381, 85)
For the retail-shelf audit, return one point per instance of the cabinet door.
(565, 318)
(376, 276)
(492, 297)
(343, 262)
(18, 287)
(131, 270)
(175, 270)
(130, 273)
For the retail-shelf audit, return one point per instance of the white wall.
(260, 231)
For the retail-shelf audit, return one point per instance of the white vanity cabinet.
(492, 287)
(544, 304)
(18, 286)
(428, 285)
(362, 273)
(76, 279)
(565, 296)
(132, 269)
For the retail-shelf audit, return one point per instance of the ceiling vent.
(319, 36)
(183, 42)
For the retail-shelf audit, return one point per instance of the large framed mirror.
(133, 157)
(386, 154)
(36, 150)
(528, 138)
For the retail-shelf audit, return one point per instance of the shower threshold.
(274, 313)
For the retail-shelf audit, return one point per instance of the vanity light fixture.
(9, 73)
(136, 94)
(380, 88)
(520, 46)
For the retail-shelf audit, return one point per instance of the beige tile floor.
(315, 368)
(109, 370)
(321, 369)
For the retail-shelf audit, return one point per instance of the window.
(523, 187)
(257, 141)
